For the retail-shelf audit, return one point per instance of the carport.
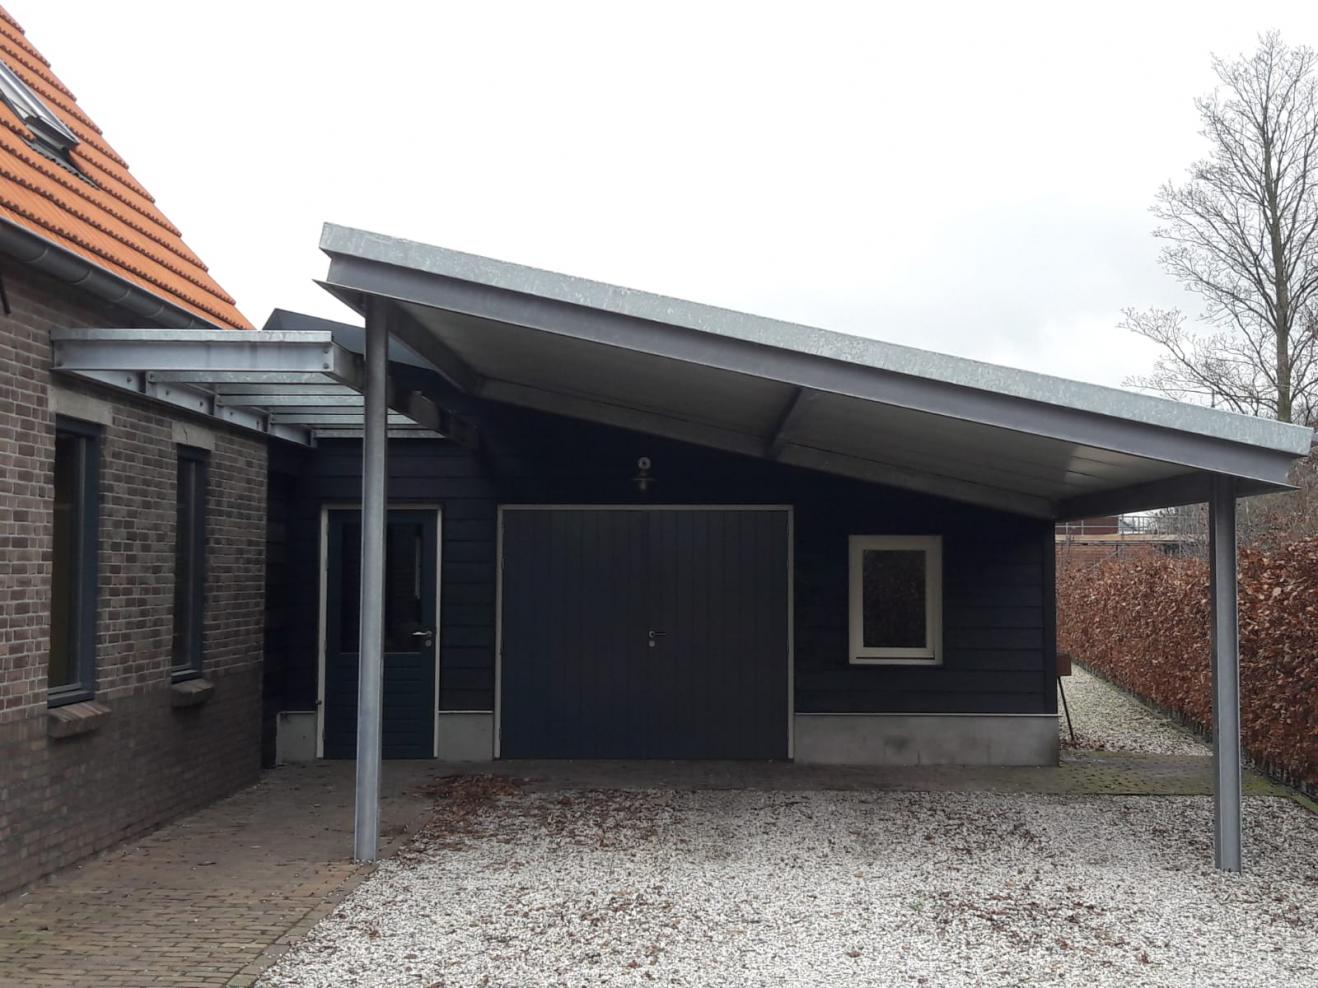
(1011, 440)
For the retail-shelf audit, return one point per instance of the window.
(404, 606)
(896, 598)
(50, 135)
(71, 671)
(189, 561)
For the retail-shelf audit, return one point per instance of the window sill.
(895, 660)
(190, 692)
(72, 719)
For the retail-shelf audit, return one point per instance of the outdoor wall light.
(643, 480)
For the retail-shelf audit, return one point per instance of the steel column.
(1226, 673)
(370, 675)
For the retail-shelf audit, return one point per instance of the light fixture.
(643, 480)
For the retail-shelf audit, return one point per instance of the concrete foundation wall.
(926, 739)
(295, 738)
(466, 736)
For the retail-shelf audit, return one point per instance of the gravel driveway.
(513, 887)
(1110, 719)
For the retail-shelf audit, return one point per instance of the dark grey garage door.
(634, 633)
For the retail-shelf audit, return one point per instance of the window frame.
(191, 664)
(932, 653)
(86, 553)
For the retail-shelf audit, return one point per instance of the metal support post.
(1226, 673)
(370, 675)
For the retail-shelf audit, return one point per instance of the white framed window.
(896, 599)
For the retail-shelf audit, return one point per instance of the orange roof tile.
(110, 221)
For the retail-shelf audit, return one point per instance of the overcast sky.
(971, 178)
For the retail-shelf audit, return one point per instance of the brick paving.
(211, 899)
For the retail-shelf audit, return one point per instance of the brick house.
(132, 535)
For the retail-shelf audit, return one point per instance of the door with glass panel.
(411, 637)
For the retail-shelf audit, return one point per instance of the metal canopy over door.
(409, 629)
(644, 633)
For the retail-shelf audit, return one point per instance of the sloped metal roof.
(889, 414)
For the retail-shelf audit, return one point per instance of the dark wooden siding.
(430, 472)
(998, 595)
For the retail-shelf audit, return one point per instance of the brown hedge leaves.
(1142, 620)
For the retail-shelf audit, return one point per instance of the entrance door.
(410, 638)
(630, 633)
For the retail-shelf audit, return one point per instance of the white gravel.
(747, 888)
(1110, 719)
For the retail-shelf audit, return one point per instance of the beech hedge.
(1142, 620)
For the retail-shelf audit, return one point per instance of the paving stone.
(199, 902)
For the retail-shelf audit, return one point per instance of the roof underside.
(893, 415)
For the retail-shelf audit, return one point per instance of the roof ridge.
(85, 190)
(96, 224)
(22, 41)
(155, 216)
(87, 245)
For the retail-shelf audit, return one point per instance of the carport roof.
(860, 407)
(297, 385)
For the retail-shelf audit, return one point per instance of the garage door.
(631, 633)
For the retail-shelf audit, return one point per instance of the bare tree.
(1242, 233)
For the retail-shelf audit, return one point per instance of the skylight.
(49, 132)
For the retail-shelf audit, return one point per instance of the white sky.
(970, 178)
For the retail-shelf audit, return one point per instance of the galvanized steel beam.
(298, 399)
(790, 421)
(211, 352)
(292, 384)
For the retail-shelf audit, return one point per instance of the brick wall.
(62, 799)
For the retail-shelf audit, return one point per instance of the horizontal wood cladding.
(997, 583)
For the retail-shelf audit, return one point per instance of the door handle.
(655, 636)
(425, 633)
